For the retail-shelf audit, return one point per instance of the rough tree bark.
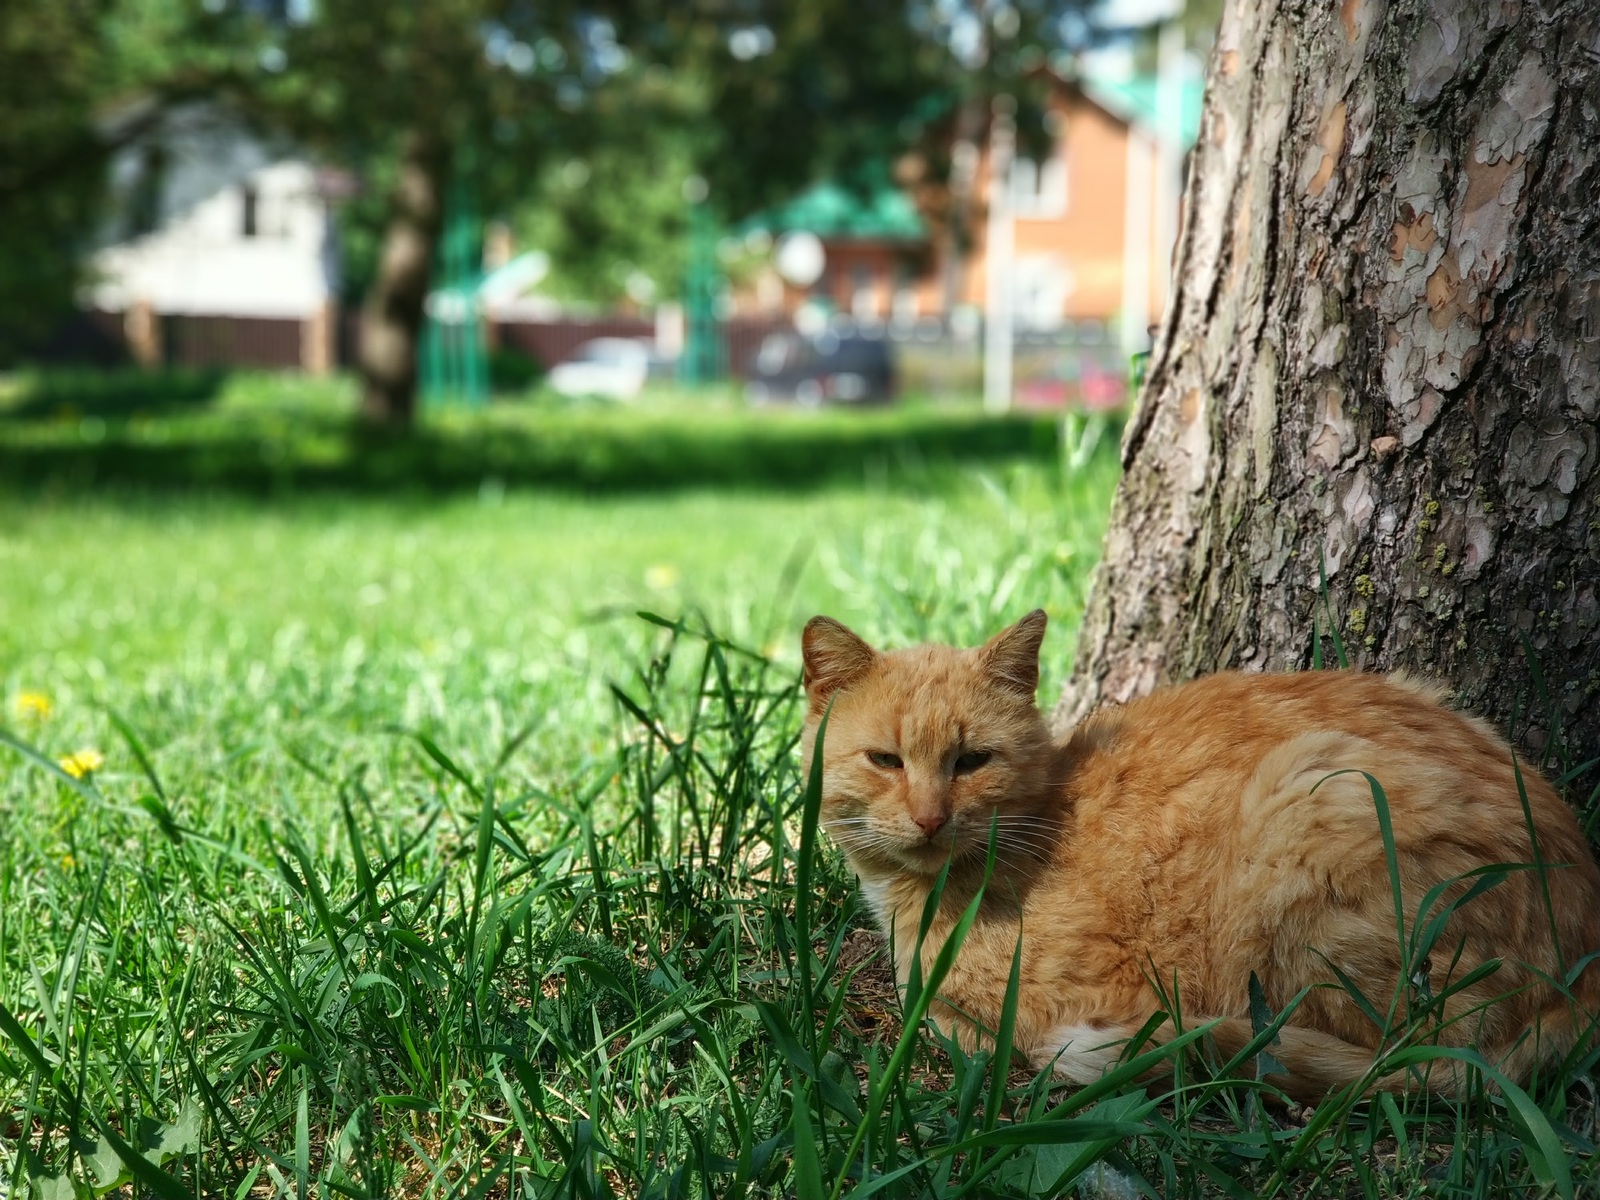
(1382, 359)
(391, 318)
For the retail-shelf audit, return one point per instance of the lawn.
(449, 839)
(260, 434)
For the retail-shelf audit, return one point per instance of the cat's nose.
(930, 823)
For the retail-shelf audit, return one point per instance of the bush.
(510, 370)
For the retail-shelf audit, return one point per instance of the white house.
(210, 219)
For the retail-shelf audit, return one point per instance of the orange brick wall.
(1088, 237)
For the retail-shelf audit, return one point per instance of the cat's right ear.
(834, 658)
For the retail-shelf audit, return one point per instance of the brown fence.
(555, 341)
(552, 342)
(271, 343)
(744, 337)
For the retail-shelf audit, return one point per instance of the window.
(1039, 190)
(1041, 285)
(903, 303)
(1024, 182)
(145, 196)
(864, 291)
(251, 202)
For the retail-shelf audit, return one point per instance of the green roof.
(831, 210)
(1136, 101)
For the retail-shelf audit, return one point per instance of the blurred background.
(449, 335)
(460, 202)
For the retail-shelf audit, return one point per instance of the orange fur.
(1200, 835)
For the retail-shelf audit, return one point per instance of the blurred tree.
(51, 173)
(757, 96)
(570, 100)
(613, 220)
(79, 79)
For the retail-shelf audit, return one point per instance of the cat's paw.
(1081, 1053)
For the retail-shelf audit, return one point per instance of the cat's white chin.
(929, 858)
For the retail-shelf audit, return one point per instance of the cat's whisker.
(1024, 839)
(1013, 832)
(1041, 836)
(1033, 842)
(1025, 851)
(1037, 847)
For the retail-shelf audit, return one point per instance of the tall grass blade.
(807, 1166)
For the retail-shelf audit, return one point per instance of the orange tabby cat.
(1196, 835)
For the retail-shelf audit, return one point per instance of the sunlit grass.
(407, 858)
(259, 682)
(61, 432)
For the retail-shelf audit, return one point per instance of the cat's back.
(1224, 726)
(1241, 814)
(1204, 752)
(1235, 707)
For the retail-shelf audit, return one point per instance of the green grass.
(298, 910)
(419, 863)
(257, 434)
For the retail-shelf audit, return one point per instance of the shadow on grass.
(66, 394)
(269, 450)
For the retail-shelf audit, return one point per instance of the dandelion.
(32, 704)
(661, 577)
(83, 762)
(68, 863)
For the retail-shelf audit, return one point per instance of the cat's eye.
(882, 758)
(970, 761)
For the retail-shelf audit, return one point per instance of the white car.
(614, 367)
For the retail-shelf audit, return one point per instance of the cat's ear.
(834, 657)
(1012, 655)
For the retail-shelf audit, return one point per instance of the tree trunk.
(1381, 361)
(391, 320)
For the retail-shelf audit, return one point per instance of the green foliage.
(64, 394)
(612, 216)
(265, 433)
(78, 80)
(51, 56)
(578, 123)
(360, 220)
(510, 370)
(583, 124)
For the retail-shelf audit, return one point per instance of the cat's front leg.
(1080, 1052)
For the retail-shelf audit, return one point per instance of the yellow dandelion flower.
(83, 762)
(661, 577)
(32, 704)
(68, 862)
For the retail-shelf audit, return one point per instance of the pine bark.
(391, 319)
(1381, 363)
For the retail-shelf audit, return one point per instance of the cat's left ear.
(1012, 655)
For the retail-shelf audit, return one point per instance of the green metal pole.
(702, 352)
(454, 364)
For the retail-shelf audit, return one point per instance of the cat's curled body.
(1205, 833)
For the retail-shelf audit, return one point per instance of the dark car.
(829, 368)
